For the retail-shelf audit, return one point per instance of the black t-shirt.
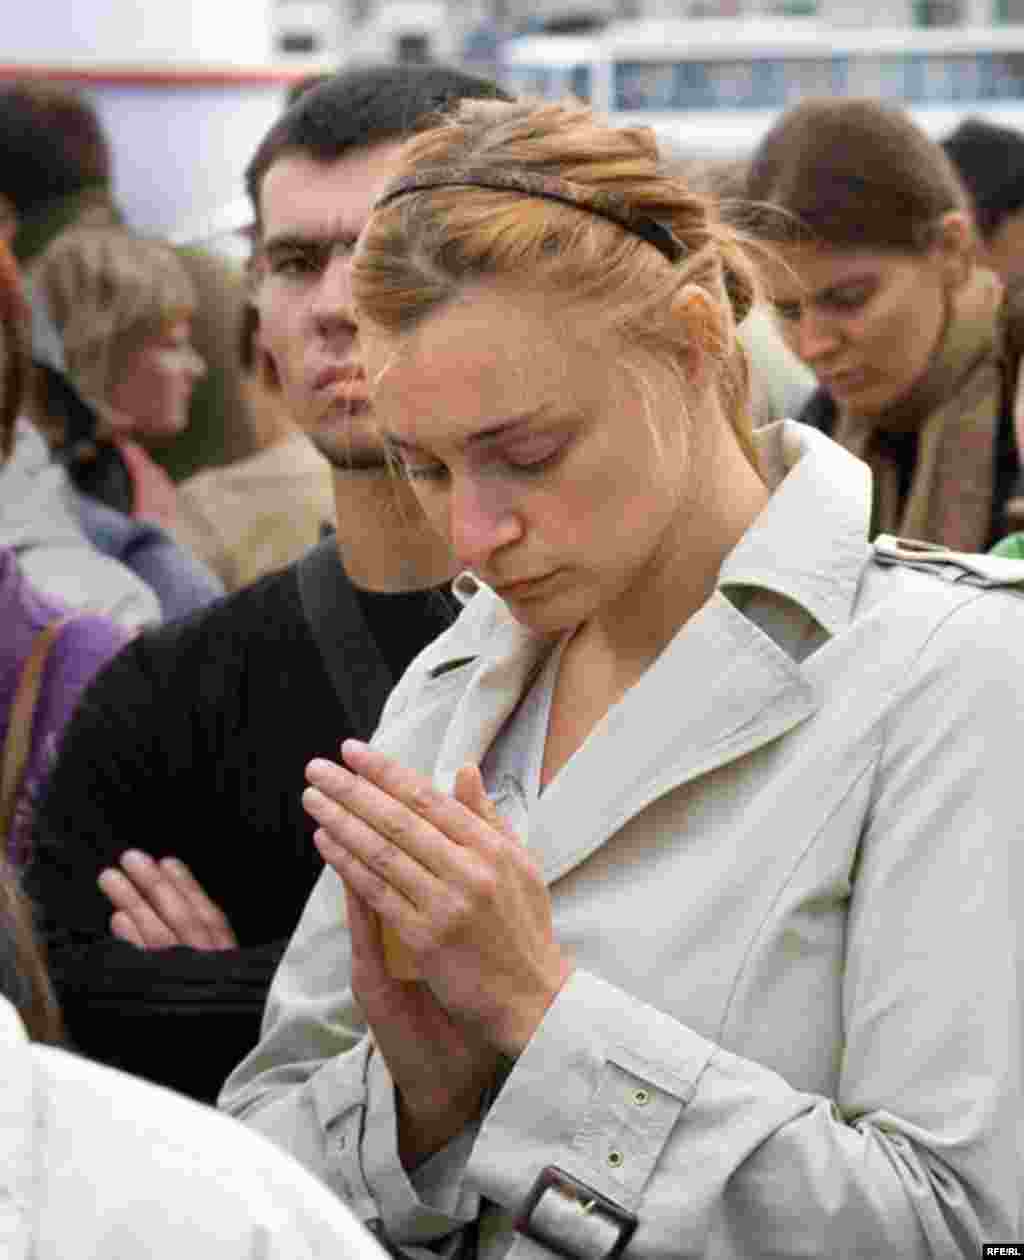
(192, 742)
(403, 623)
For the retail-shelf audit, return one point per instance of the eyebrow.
(849, 282)
(307, 243)
(482, 436)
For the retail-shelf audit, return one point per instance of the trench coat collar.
(719, 690)
(810, 543)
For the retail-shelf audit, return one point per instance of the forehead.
(812, 269)
(480, 361)
(301, 196)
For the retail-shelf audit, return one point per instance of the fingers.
(369, 971)
(161, 904)
(122, 925)
(136, 920)
(469, 791)
(448, 815)
(204, 908)
(374, 869)
(411, 841)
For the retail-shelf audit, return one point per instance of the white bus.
(713, 86)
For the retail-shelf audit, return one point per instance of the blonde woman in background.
(121, 306)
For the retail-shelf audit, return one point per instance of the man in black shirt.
(172, 855)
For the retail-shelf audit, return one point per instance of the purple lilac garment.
(82, 647)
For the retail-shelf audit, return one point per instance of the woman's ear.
(704, 322)
(956, 245)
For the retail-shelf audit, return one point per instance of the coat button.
(615, 1159)
(641, 1097)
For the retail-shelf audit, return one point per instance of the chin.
(551, 617)
(348, 455)
(348, 442)
(871, 399)
(162, 433)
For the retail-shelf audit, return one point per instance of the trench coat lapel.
(493, 691)
(720, 689)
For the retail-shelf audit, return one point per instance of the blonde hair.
(422, 249)
(108, 292)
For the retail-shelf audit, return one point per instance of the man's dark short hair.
(990, 161)
(362, 107)
(35, 169)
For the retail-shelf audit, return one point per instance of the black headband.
(605, 205)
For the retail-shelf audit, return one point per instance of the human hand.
(440, 1067)
(161, 904)
(458, 888)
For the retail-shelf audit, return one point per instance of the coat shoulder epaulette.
(966, 568)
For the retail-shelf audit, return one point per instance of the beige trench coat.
(786, 865)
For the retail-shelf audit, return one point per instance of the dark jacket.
(193, 743)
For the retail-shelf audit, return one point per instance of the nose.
(817, 337)
(482, 519)
(332, 299)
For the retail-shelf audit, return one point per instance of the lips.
(520, 587)
(340, 377)
(841, 380)
(337, 391)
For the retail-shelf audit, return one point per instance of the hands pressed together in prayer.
(452, 881)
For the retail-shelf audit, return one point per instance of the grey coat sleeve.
(317, 1086)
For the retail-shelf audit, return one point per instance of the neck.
(730, 494)
(384, 540)
(270, 421)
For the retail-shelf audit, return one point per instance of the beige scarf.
(955, 410)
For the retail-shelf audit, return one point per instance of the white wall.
(137, 31)
(180, 152)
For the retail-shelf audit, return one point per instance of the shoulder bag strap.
(352, 659)
(18, 740)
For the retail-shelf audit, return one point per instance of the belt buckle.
(552, 1180)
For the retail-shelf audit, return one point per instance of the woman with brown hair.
(876, 288)
(644, 914)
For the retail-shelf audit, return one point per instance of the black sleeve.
(113, 788)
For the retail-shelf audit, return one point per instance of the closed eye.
(423, 472)
(532, 467)
(848, 299)
(787, 310)
(292, 265)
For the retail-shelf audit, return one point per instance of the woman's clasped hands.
(451, 880)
